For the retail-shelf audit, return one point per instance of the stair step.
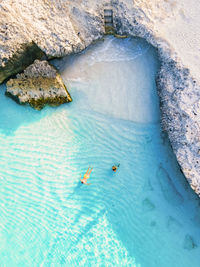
(108, 12)
(108, 24)
(108, 19)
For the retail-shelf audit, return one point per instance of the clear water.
(143, 215)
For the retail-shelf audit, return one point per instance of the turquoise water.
(143, 215)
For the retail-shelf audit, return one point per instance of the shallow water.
(143, 215)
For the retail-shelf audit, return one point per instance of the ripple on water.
(142, 215)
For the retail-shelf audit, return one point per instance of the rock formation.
(40, 84)
(24, 56)
(60, 27)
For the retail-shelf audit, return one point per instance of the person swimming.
(86, 176)
(115, 167)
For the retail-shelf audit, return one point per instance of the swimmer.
(86, 176)
(115, 167)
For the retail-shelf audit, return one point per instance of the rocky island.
(38, 85)
(45, 29)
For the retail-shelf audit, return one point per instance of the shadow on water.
(14, 115)
(77, 188)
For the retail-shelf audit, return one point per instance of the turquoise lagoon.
(143, 215)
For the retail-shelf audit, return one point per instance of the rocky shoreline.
(59, 29)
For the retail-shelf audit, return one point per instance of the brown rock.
(40, 84)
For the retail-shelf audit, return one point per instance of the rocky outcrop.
(180, 105)
(38, 85)
(24, 56)
(59, 28)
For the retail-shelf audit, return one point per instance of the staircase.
(108, 21)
